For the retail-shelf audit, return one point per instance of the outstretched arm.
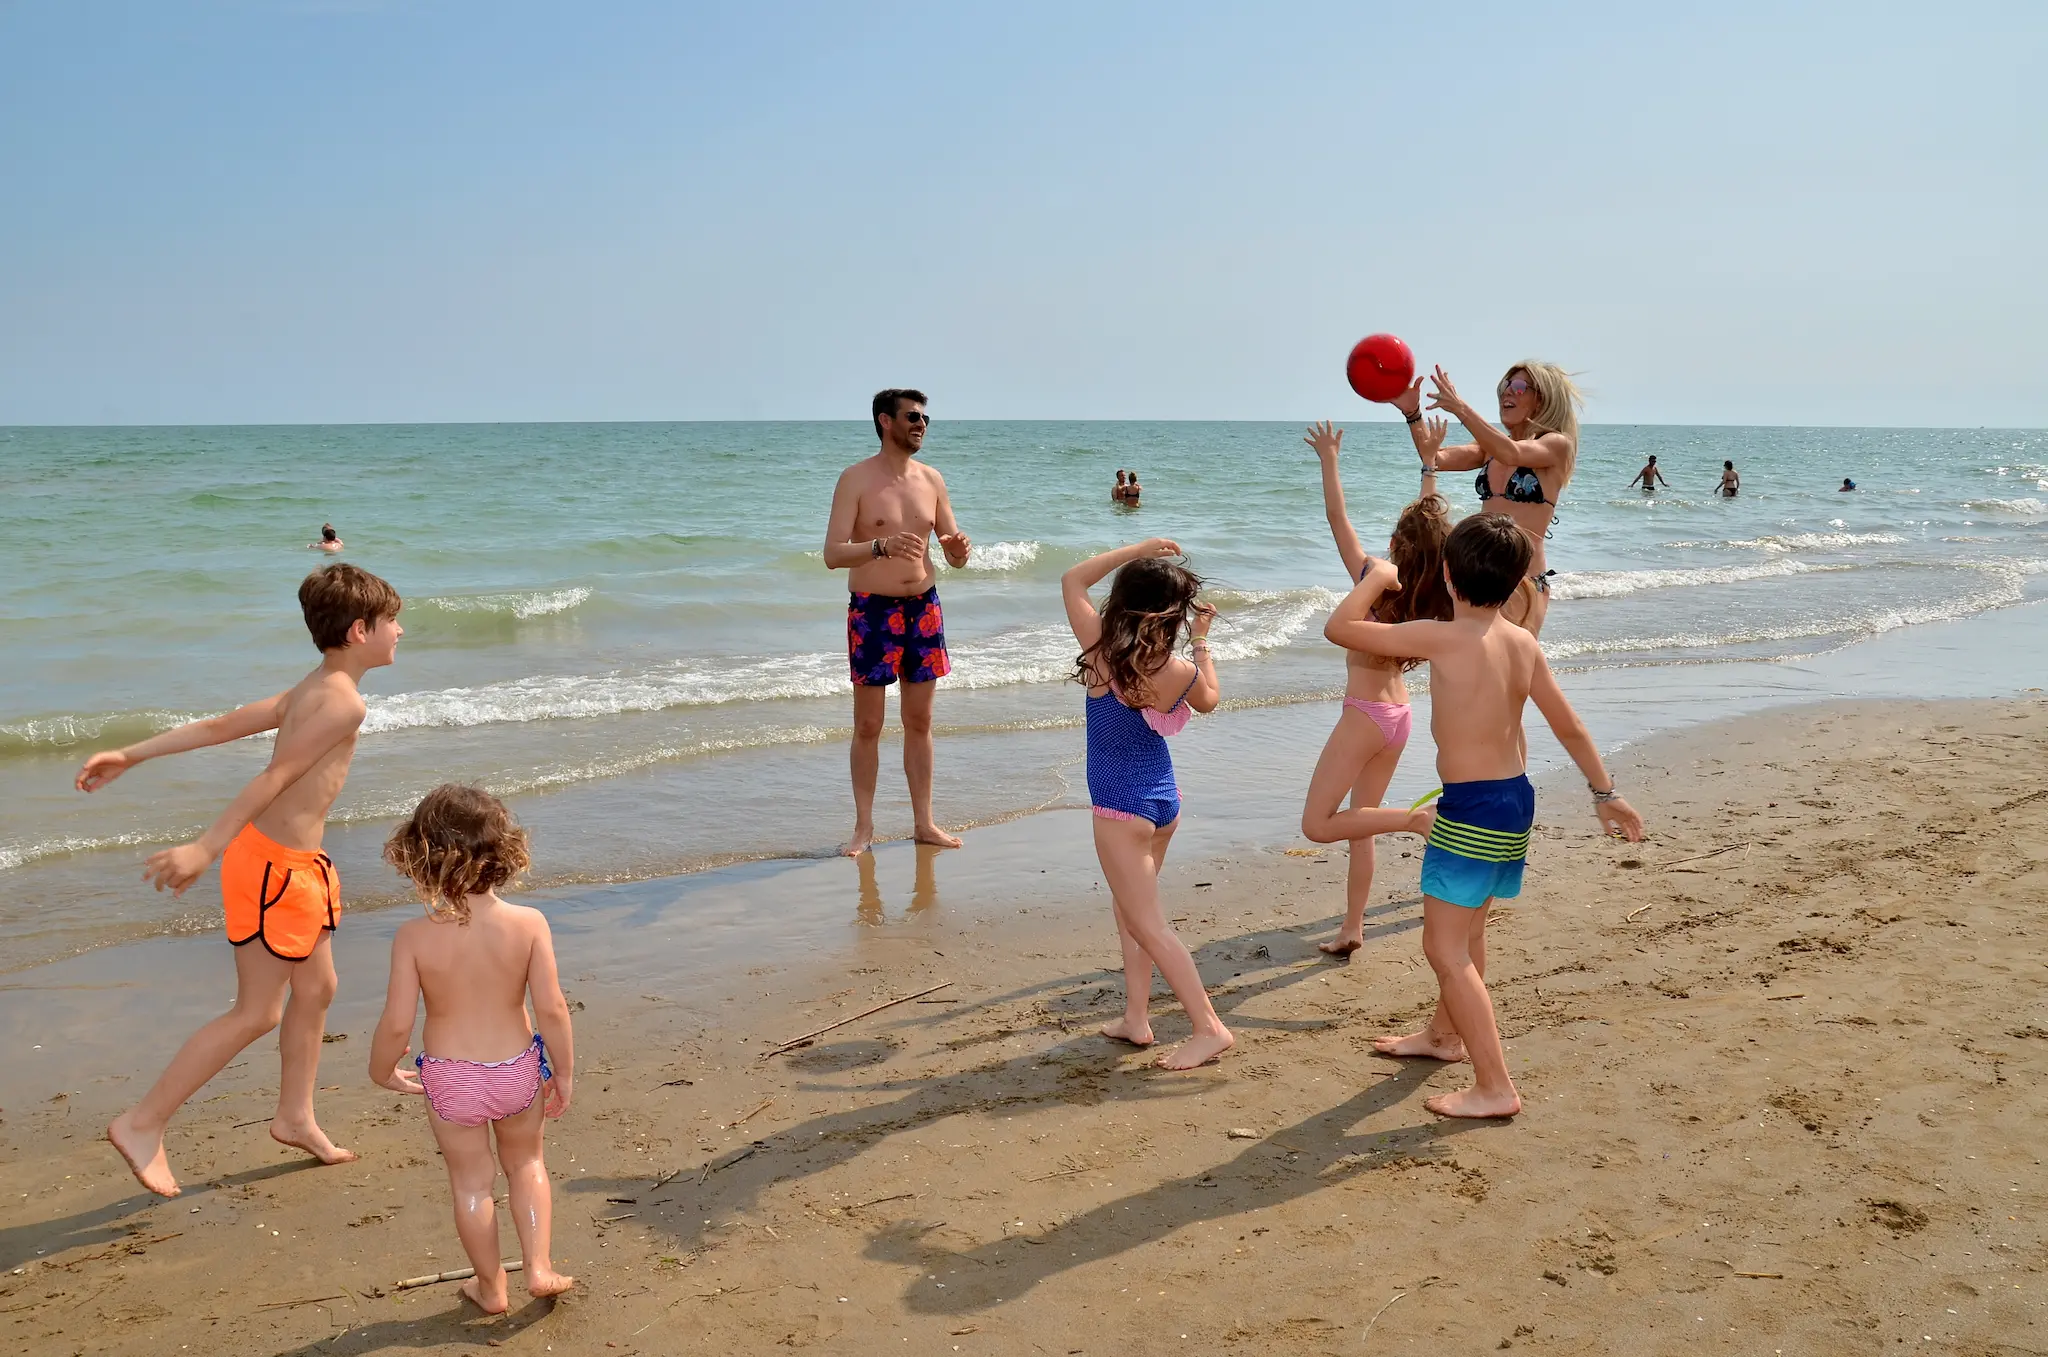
(1352, 627)
(1428, 437)
(331, 720)
(109, 764)
(1615, 814)
(1328, 442)
(551, 1016)
(1549, 450)
(393, 1038)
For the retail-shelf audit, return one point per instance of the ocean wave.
(2008, 590)
(539, 603)
(1617, 583)
(1804, 541)
(67, 730)
(2024, 507)
(13, 855)
(994, 557)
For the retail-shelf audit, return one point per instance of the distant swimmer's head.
(1727, 466)
(900, 419)
(1417, 551)
(1653, 459)
(1122, 476)
(1149, 602)
(1544, 395)
(345, 605)
(460, 841)
(1848, 484)
(1486, 558)
(327, 533)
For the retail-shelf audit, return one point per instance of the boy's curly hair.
(1149, 602)
(460, 841)
(1417, 551)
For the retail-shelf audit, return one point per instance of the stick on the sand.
(1631, 917)
(794, 1042)
(1773, 998)
(1716, 853)
(461, 1274)
(293, 1304)
(750, 1116)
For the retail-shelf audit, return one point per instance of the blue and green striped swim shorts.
(1480, 841)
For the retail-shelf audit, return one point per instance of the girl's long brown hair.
(460, 841)
(1417, 551)
(1149, 602)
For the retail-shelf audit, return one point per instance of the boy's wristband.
(1414, 418)
(1613, 793)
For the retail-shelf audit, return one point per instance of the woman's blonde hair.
(460, 841)
(1562, 398)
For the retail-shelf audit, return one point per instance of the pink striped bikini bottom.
(472, 1092)
(1394, 719)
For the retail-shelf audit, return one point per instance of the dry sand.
(1782, 1066)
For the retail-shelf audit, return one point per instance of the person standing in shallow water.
(1731, 481)
(884, 512)
(1649, 476)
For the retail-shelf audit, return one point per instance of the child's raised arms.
(1079, 579)
(1351, 624)
(252, 719)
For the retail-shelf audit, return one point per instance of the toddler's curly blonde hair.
(461, 841)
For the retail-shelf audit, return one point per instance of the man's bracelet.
(1413, 418)
(875, 547)
(1429, 471)
(1602, 798)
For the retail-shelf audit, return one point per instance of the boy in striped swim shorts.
(1481, 671)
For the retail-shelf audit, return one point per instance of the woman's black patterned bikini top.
(1523, 487)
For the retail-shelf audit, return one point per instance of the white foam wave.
(995, 557)
(14, 855)
(540, 603)
(1617, 583)
(2024, 507)
(1037, 654)
(1805, 541)
(2007, 590)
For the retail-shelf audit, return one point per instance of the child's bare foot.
(862, 840)
(488, 1297)
(145, 1156)
(1340, 946)
(1427, 1043)
(544, 1282)
(1197, 1050)
(309, 1137)
(1472, 1102)
(933, 834)
(1124, 1029)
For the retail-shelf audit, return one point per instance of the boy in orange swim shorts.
(281, 894)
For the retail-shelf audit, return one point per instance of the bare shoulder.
(931, 475)
(531, 920)
(860, 474)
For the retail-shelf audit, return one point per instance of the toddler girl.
(476, 959)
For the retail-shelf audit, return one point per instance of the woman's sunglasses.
(1516, 387)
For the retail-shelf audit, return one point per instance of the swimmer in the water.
(1122, 486)
(328, 541)
(1649, 476)
(1731, 481)
(1847, 484)
(1132, 489)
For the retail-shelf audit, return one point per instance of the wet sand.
(1780, 1066)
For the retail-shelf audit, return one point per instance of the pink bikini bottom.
(1394, 719)
(472, 1092)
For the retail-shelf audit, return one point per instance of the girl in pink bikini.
(1373, 724)
(486, 1072)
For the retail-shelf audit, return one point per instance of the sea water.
(628, 630)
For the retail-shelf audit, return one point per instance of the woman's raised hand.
(1205, 617)
(1446, 396)
(1409, 402)
(1327, 441)
(1158, 546)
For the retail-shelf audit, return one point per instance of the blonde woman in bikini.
(1373, 722)
(1523, 467)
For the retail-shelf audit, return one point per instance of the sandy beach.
(1780, 1062)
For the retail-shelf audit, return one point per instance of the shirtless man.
(280, 892)
(329, 539)
(884, 513)
(1649, 476)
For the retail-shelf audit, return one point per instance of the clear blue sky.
(1729, 213)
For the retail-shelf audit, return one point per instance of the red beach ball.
(1380, 368)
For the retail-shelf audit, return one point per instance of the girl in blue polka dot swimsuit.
(1139, 692)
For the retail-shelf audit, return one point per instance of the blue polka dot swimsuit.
(1130, 771)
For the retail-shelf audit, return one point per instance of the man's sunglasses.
(915, 417)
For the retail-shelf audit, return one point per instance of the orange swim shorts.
(284, 897)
